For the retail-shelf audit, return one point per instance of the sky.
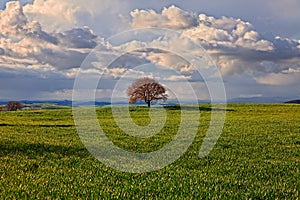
(254, 44)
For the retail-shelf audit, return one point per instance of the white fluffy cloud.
(171, 17)
(24, 42)
(234, 44)
(62, 15)
(33, 61)
(52, 13)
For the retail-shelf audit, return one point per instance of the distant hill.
(257, 100)
(58, 102)
(294, 101)
(105, 102)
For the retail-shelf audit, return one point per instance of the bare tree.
(14, 106)
(147, 90)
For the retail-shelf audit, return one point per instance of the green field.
(256, 157)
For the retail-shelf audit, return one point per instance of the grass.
(256, 157)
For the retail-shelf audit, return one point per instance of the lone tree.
(147, 90)
(14, 106)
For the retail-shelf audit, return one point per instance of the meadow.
(256, 157)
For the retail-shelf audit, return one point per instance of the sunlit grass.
(257, 156)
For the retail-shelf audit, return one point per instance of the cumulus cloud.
(24, 42)
(171, 17)
(58, 16)
(167, 59)
(78, 38)
(36, 63)
(234, 44)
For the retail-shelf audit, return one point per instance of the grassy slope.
(257, 156)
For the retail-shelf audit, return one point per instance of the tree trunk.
(148, 103)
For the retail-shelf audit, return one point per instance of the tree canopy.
(14, 106)
(147, 90)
